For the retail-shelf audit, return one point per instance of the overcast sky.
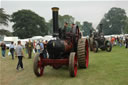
(91, 11)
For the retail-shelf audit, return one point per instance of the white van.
(8, 40)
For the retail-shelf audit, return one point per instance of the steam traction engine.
(97, 40)
(69, 50)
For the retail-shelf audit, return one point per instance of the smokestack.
(55, 20)
(101, 28)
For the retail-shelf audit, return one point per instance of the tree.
(114, 21)
(126, 26)
(62, 19)
(65, 18)
(27, 24)
(87, 27)
(4, 18)
(5, 32)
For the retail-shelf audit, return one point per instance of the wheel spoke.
(41, 70)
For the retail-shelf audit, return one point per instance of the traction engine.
(71, 50)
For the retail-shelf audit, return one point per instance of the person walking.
(3, 49)
(29, 47)
(19, 54)
(45, 49)
(12, 50)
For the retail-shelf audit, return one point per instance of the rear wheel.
(73, 64)
(37, 66)
(83, 53)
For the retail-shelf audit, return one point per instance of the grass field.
(105, 68)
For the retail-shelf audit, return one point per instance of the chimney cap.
(55, 8)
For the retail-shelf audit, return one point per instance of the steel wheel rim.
(75, 65)
(87, 54)
(40, 67)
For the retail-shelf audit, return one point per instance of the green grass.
(105, 68)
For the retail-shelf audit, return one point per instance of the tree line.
(28, 23)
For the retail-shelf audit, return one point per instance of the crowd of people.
(119, 41)
(18, 50)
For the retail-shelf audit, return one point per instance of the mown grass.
(105, 68)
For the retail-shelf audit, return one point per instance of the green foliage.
(62, 19)
(87, 27)
(65, 18)
(126, 26)
(5, 32)
(114, 21)
(28, 24)
(4, 18)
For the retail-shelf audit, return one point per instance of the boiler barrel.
(57, 48)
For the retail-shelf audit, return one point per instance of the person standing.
(72, 27)
(19, 53)
(126, 42)
(29, 47)
(3, 49)
(34, 45)
(45, 49)
(26, 48)
(121, 41)
(65, 30)
(38, 47)
(12, 50)
(117, 39)
(41, 46)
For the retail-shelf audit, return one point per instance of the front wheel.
(108, 46)
(37, 66)
(95, 46)
(73, 64)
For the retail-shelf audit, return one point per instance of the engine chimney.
(101, 28)
(55, 21)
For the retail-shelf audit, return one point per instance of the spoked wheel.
(95, 46)
(73, 64)
(108, 46)
(83, 53)
(37, 67)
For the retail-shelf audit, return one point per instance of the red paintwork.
(87, 54)
(53, 62)
(75, 66)
(40, 67)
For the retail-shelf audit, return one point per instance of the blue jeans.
(44, 53)
(12, 52)
(26, 50)
(3, 53)
(38, 50)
